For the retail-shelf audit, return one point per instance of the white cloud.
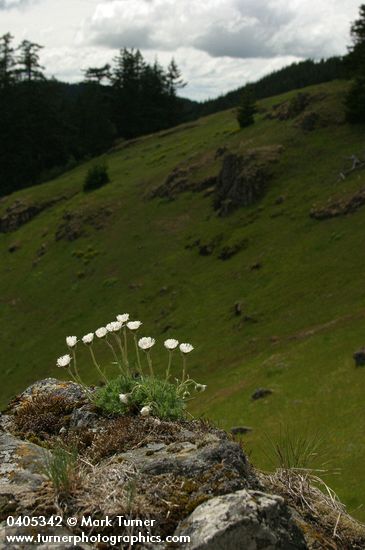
(15, 4)
(218, 44)
(234, 28)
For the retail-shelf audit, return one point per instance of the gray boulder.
(250, 520)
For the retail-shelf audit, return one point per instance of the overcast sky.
(218, 44)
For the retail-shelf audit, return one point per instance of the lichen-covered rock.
(21, 474)
(50, 387)
(250, 520)
(191, 460)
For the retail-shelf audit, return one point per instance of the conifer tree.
(247, 108)
(355, 99)
(30, 68)
(7, 61)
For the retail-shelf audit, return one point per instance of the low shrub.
(164, 398)
(96, 177)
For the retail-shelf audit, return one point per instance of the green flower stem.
(184, 368)
(126, 347)
(122, 351)
(114, 354)
(137, 353)
(77, 375)
(169, 366)
(97, 366)
(73, 377)
(149, 361)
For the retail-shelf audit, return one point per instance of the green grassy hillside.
(308, 297)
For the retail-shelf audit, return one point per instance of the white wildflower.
(186, 348)
(146, 411)
(114, 326)
(171, 344)
(134, 325)
(200, 387)
(124, 398)
(88, 338)
(146, 343)
(71, 341)
(101, 332)
(64, 361)
(123, 318)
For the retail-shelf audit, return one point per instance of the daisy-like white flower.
(124, 398)
(186, 348)
(134, 325)
(71, 341)
(114, 326)
(200, 387)
(146, 343)
(171, 344)
(64, 361)
(88, 338)
(101, 332)
(123, 317)
(146, 411)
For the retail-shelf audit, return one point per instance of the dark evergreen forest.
(48, 126)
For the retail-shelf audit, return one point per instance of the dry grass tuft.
(322, 517)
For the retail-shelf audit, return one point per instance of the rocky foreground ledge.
(188, 477)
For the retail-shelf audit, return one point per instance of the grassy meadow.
(307, 299)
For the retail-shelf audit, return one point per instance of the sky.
(218, 44)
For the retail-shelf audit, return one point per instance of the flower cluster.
(116, 335)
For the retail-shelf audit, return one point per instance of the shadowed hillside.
(211, 234)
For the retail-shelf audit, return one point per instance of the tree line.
(297, 75)
(47, 126)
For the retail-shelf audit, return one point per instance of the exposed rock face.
(75, 224)
(309, 121)
(175, 183)
(246, 519)
(21, 212)
(341, 207)
(243, 179)
(214, 245)
(260, 393)
(292, 108)
(181, 180)
(231, 250)
(359, 358)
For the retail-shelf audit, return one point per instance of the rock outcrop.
(291, 108)
(75, 224)
(21, 212)
(244, 178)
(339, 207)
(244, 519)
(190, 478)
(359, 358)
(180, 180)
